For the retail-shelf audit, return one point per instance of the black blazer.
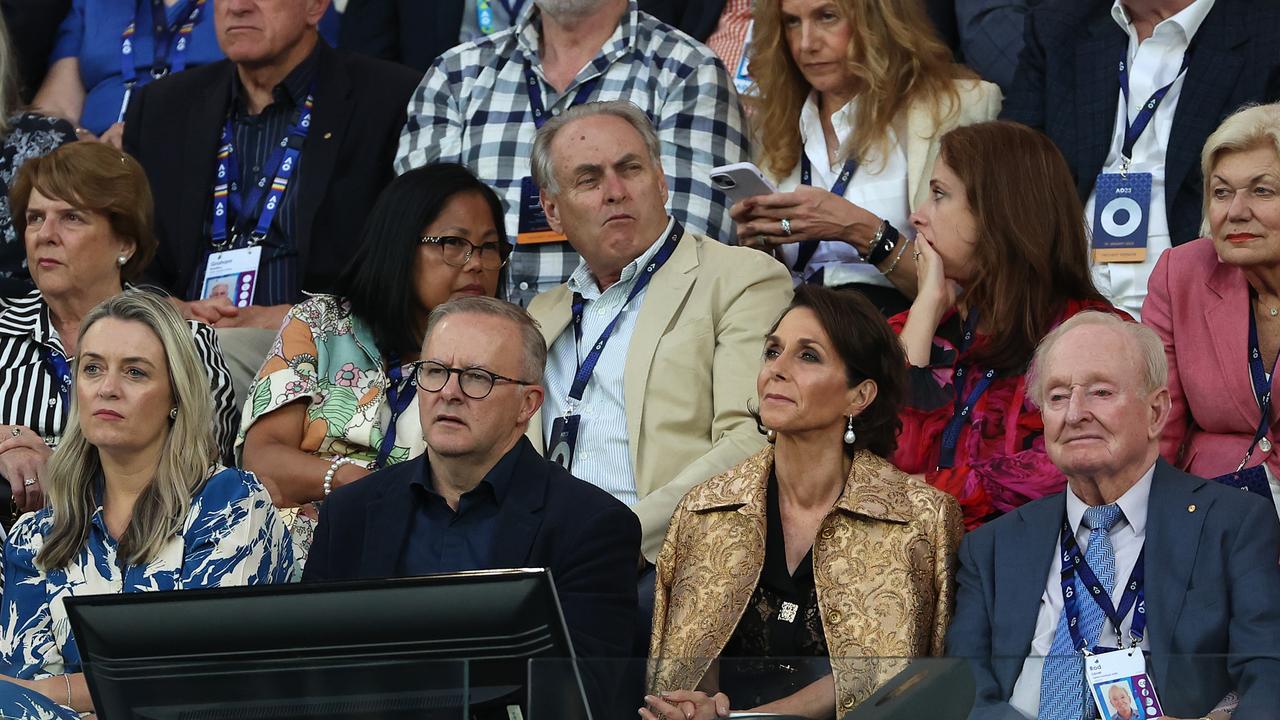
(411, 32)
(1213, 623)
(173, 128)
(589, 540)
(1067, 84)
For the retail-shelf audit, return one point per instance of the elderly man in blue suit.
(1203, 555)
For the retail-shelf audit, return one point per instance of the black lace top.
(780, 626)
(30, 135)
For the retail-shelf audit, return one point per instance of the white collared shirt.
(880, 188)
(602, 455)
(1127, 537)
(1152, 64)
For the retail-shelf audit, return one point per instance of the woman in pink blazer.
(1216, 303)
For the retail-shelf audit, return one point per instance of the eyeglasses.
(457, 251)
(475, 382)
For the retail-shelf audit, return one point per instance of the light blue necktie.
(1062, 686)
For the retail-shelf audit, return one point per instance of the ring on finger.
(28, 482)
(15, 431)
(786, 227)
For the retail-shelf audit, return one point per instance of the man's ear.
(551, 208)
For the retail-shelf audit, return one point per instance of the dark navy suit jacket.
(1068, 84)
(1212, 589)
(589, 540)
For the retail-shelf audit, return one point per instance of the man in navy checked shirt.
(477, 106)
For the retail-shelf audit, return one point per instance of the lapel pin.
(1191, 507)
(328, 136)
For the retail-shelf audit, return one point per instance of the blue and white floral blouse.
(232, 536)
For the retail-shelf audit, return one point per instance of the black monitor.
(368, 649)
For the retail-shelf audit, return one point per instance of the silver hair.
(566, 9)
(1249, 127)
(535, 347)
(543, 166)
(1146, 344)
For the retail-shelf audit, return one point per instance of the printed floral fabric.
(232, 536)
(883, 566)
(30, 136)
(327, 357)
(1000, 461)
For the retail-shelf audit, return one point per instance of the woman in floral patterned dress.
(333, 402)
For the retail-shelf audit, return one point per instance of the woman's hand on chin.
(685, 705)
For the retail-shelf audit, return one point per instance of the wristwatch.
(883, 243)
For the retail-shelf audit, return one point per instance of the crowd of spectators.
(308, 290)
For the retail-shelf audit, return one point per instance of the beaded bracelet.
(333, 468)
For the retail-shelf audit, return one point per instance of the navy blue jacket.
(1068, 84)
(1212, 581)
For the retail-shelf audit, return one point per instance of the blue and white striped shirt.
(602, 456)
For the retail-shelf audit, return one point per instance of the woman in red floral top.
(1002, 258)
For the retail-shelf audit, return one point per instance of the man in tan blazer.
(678, 319)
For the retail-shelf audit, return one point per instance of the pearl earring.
(173, 413)
(771, 435)
(849, 435)
(122, 260)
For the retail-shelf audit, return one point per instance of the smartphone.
(740, 181)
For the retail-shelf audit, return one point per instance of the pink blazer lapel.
(1226, 314)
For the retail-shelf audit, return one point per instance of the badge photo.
(1121, 687)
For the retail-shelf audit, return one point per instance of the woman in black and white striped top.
(85, 215)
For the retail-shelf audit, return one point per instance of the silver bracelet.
(333, 468)
(68, 679)
(897, 258)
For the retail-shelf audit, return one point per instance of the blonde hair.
(894, 54)
(1147, 347)
(188, 455)
(1249, 127)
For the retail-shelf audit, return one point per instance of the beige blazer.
(921, 137)
(884, 564)
(691, 369)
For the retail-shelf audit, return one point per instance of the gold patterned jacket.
(883, 565)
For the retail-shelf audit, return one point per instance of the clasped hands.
(685, 705)
(23, 456)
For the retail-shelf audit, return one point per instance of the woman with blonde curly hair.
(853, 96)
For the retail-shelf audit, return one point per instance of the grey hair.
(1249, 127)
(544, 172)
(186, 459)
(1145, 342)
(535, 347)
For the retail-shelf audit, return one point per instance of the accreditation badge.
(742, 78)
(534, 228)
(1120, 685)
(564, 438)
(232, 274)
(1120, 217)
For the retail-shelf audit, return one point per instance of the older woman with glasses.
(334, 399)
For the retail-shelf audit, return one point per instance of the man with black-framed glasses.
(481, 497)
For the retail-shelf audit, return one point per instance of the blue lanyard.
(809, 247)
(1261, 388)
(266, 200)
(963, 405)
(484, 14)
(56, 364)
(1133, 130)
(535, 94)
(399, 395)
(1073, 562)
(588, 365)
(168, 37)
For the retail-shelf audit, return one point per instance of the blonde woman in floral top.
(332, 402)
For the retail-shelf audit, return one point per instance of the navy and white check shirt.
(473, 107)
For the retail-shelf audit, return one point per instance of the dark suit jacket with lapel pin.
(1068, 85)
(1212, 597)
(173, 128)
(589, 540)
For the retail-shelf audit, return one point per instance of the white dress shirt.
(878, 187)
(1152, 64)
(602, 455)
(1127, 537)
